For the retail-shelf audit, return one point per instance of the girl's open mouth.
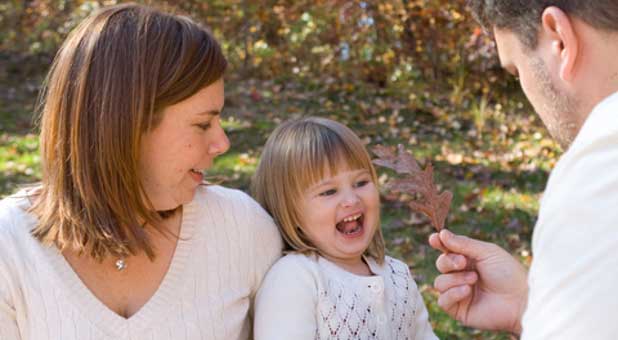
(351, 225)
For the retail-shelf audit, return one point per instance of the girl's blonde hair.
(108, 85)
(297, 155)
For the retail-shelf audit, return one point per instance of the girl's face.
(184, 144)
(340, 215)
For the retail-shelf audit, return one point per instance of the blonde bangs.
(321, 151)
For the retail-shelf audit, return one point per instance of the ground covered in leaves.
(496, 169)
(419, 73)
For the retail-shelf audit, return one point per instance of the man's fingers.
(450, 298)
(450, 262)
(447, 281)
(434, 242)
(463, 245)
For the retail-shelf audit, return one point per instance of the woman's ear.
(558, 27)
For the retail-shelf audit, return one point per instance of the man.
(565, 53)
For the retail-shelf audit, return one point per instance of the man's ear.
(558, 28)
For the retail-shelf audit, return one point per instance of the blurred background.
(417, 72)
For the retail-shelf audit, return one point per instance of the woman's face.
(184, 144)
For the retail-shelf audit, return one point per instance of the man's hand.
(481, 284)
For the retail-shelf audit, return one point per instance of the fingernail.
(471, 277)
(458, 261)
(446, 233)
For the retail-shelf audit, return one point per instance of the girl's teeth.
(352, 218)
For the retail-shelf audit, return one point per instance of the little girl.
(317, 181)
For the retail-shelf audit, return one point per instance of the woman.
(121, 240)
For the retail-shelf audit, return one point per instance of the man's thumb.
(471, 248)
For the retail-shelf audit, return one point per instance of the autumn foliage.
(390, 44)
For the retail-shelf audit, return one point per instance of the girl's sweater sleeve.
(422, 325)
(286, 302)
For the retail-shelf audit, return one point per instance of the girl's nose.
(350, 199)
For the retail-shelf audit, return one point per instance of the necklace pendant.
(120, 265)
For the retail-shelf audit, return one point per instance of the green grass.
(19, 161)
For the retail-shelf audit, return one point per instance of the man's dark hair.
(523, 17)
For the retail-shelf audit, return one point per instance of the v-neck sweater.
(227, 243)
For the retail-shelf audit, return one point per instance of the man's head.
(562, 51)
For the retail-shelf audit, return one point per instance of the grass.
(496, 171)
(19, 161)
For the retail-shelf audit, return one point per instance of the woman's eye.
(204, 126)
(328, 192)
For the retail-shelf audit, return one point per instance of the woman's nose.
(220, 143)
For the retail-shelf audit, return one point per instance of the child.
(317, 181)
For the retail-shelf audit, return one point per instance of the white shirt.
(306, 297)
(573, 279)
(227, 243)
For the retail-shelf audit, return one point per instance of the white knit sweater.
(309, 297)
(227, 244)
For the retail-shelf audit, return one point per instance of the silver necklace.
(121, 264)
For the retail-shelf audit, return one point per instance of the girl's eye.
(328, 192)
(361, 183)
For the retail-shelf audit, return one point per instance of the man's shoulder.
(592, 159)
(601, 123)
(578, 209)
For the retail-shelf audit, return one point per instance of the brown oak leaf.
(402, 163)
(417, 182)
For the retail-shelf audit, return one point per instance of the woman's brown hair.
(297, 155)
(107, 86)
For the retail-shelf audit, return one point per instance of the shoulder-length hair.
(297, 155)
(107, 86)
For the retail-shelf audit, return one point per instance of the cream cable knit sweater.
(226, 246)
